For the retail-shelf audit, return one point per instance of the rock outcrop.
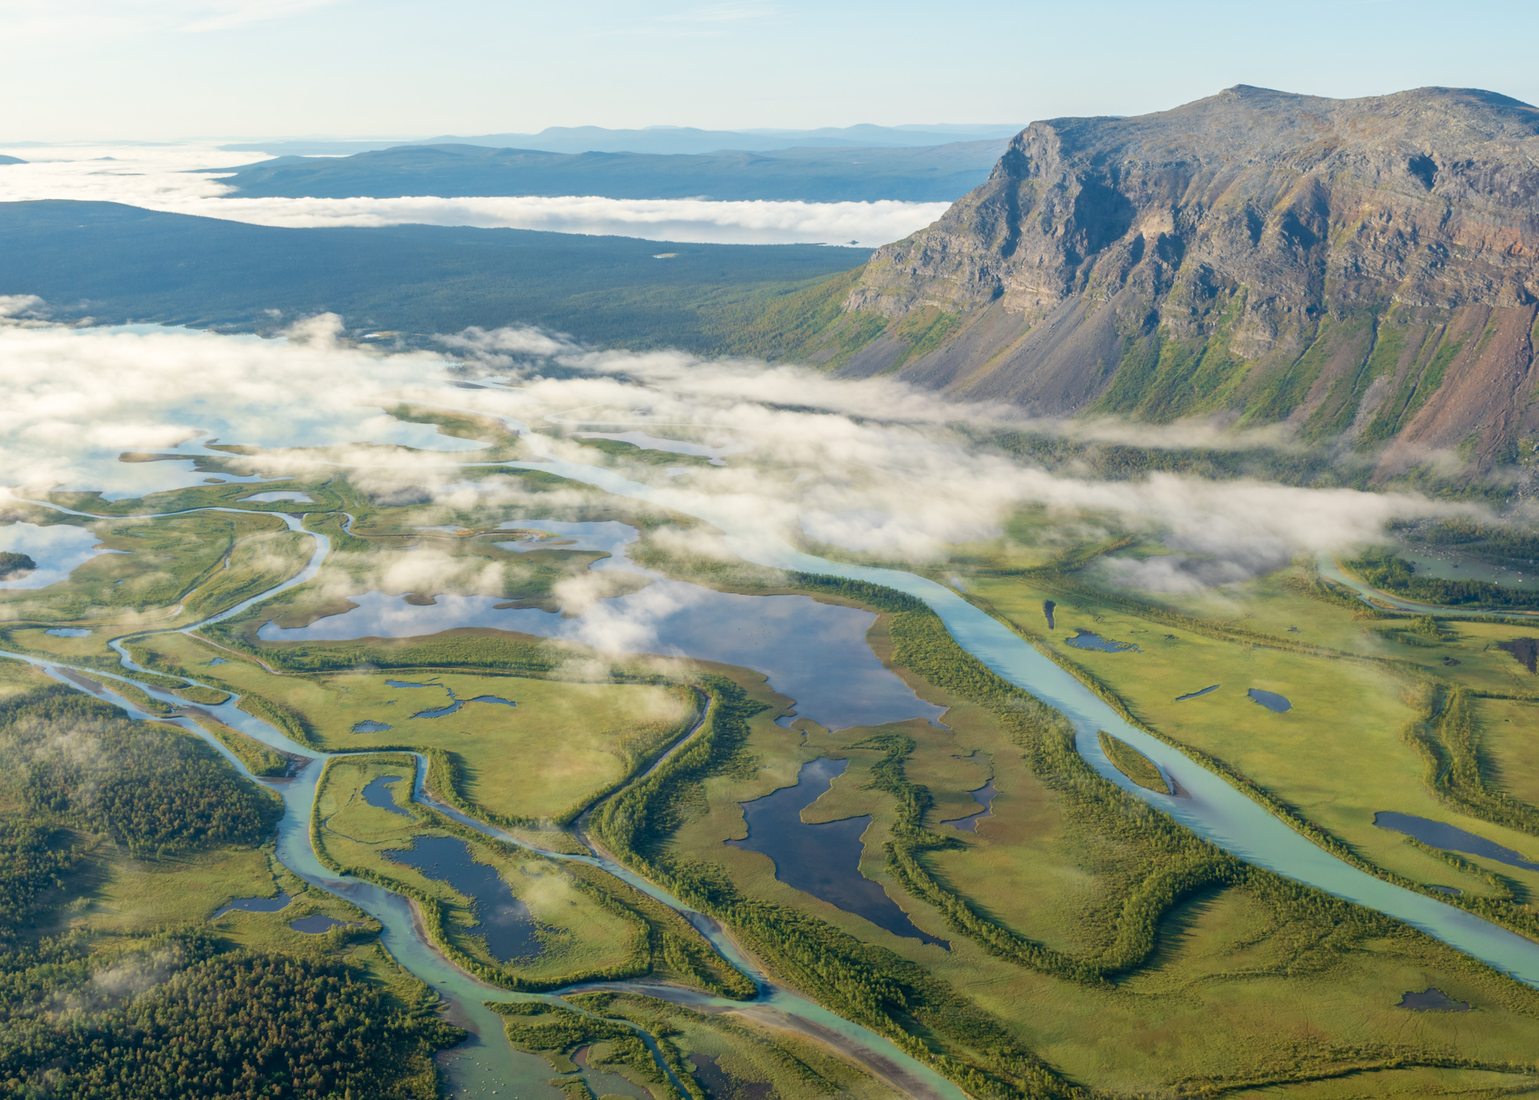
(1366, 269)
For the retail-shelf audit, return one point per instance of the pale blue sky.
(124, 69)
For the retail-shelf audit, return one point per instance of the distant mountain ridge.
(826, 174)
(112, 263)
(666, 139)
(1364, 269)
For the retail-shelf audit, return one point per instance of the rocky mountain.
(1364, 269)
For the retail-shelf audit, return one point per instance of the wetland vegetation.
(834, 856)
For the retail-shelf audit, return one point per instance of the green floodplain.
(1051, 935)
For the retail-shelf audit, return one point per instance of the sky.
(181, 69)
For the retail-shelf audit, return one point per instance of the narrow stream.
(1333, 571)
(1208, 804)
(487, 1064)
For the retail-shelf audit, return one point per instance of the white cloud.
(77, 398)
(173, 178)
(869, 468)
(698, 221)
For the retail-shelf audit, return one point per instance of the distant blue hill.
(925, 174)
(666, 139)
(117, 263)
(10, 160)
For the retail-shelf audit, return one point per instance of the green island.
(12, 563)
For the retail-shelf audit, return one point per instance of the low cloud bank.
(871, 468)
(177, 179)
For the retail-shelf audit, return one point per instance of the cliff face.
(1362, 268)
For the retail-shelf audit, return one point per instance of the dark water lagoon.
(315, 924)
(254, 905)
(814, 652)
(455, 704)
(1277, 704)
(1199, 693)
(718, 1082)
(377, 793)
(822, 859)
(984, 796)
(1089, 639)
(1432, 1000)
(369, 725)
(501, 918)
(1450, 838)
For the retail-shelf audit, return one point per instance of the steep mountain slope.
(1365, 269)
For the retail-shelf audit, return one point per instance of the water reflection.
(822, 859)
(1450, 838)
(814, 652)
(502, 919)
(57, 548)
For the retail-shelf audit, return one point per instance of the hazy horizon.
(116, 70)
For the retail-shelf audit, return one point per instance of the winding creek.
(487, 1065)
(1207, 804)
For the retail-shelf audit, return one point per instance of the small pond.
(822, 859)
(369, 725)
(1278, 704)
(315, 924)
(254, 905)
(455, 703)
(502, 919)
(68, 632)
(1089, 639)
(1432, 1000)
(1199, 693)
(1450, 838)
(377, 793)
